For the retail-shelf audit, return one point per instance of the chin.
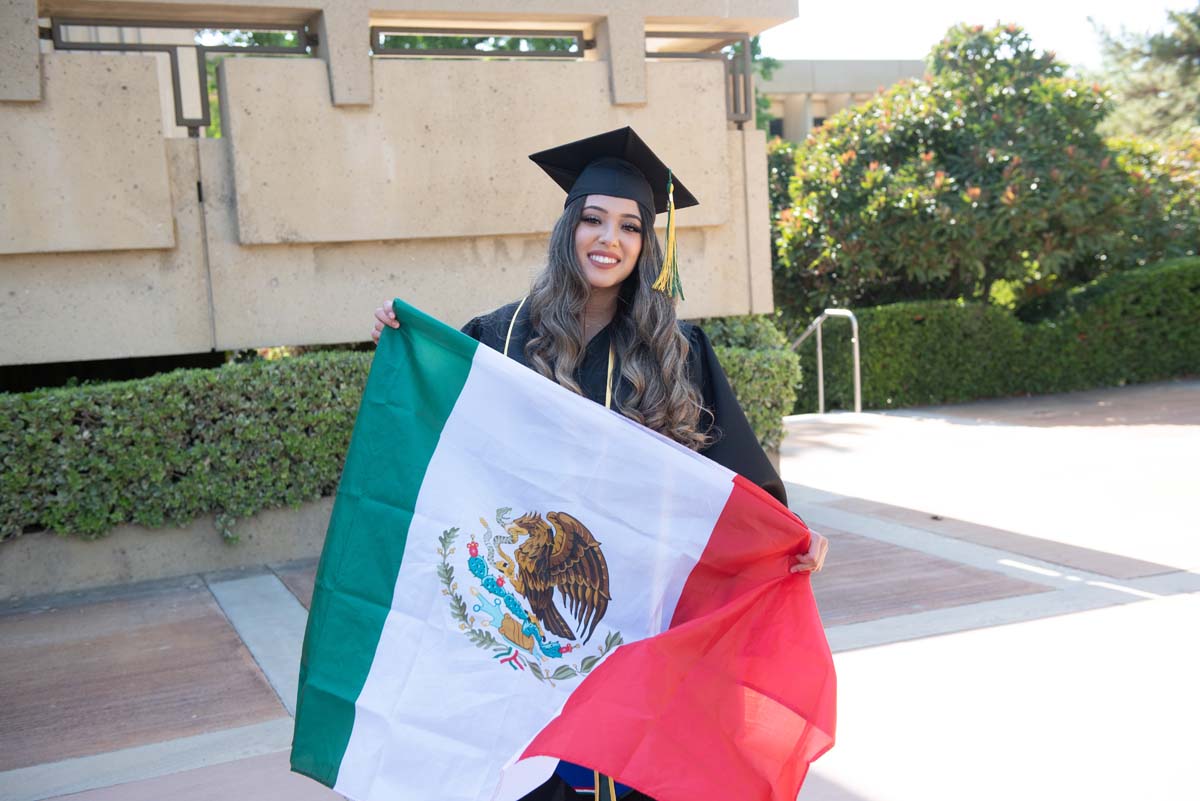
(606, 279)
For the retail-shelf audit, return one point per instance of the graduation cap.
(619, 164)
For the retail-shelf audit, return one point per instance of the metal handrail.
(815, 325)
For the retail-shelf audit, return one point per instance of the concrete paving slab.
(88, 678)
(131, 765)
(1098, 705)
(271, 623)
(1126, 488)
(261, 778)
(968, 617)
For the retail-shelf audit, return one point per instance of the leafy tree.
(1156, 80)
(989, 176)
(781, 166)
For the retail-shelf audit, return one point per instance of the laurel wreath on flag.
(458, 607)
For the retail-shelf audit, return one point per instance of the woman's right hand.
(384, 315)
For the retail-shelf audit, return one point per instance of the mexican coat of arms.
(513, 612)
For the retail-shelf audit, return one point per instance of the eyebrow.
(601, 208)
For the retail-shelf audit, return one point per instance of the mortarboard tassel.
(668, 280)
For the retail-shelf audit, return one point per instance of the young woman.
(599, 321)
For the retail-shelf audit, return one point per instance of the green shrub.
(163, 450)
(1134, 326)
(781, 166)
(762, 370)
(764, 382)
(991, 171)
(236, 440)
(754, 331)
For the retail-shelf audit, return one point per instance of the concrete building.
(804, 94)
(345, 174)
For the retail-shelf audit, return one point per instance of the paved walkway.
(994, 636)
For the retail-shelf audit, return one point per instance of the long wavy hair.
(649, 346)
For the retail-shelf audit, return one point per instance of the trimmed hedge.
(233, 440)
(764, 382)
(763, 372)
(163, 450)
(755, 331)
(1129, 327)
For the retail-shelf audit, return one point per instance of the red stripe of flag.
(737, 697)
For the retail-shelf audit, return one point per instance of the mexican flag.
(514, 575)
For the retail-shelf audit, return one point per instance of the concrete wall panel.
(442, 151)
(758, 223)
(305, 294)
(341, 31)
(116, 304)
(20, 67)
(806, 76)
(621, 40)
(713, 261)
(86, 168)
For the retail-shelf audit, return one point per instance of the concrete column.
(838, 102)
(344, 32)
(797, 117)
(20, 59)
(753, 164)
(621, 40)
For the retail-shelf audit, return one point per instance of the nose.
(608, 235)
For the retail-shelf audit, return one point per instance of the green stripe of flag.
(399, 422)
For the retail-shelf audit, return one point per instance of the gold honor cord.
(605, 787)
(612, 355)
(512, 322)
(608, 382)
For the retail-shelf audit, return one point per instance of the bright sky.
(873, 29)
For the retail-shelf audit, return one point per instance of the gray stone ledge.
(39, 564)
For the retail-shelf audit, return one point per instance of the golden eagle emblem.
(567, 558)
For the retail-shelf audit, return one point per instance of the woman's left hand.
(814, 560)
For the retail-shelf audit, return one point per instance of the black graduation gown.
(733, 444)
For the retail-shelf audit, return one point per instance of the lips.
(603, 260)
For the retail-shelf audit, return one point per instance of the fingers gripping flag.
(514, 575)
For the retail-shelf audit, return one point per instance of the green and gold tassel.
(668, 280)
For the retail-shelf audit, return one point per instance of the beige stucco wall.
(336, 188)
(443, 150)
(20, 68)
(85, 168)
(118, 303)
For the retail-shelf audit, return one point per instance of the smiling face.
(608, 240)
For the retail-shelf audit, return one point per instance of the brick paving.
(138, 667)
